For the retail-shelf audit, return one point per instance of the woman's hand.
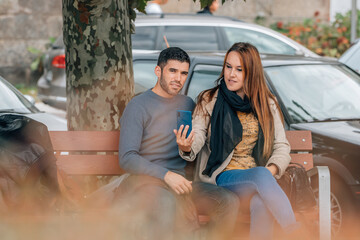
(273, 169)
(181, 140)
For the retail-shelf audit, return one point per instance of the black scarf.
(226, 128)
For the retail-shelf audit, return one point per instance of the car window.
(203, 77)
(144, 38)
(12, 102)
(191, 38)
(144, 76)
(263, 42)
(317, 92)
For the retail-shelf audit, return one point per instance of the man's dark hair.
(172, 53)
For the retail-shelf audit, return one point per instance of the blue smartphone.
(184, 118)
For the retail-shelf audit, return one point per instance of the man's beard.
(166, 87)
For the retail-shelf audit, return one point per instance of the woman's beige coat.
(201, 145)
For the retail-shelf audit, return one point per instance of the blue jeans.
(267, 200)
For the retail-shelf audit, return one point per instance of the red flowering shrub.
(326, 39)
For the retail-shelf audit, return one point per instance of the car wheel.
(342, 206)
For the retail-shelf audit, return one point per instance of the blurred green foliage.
(38, 55)
(27, 90)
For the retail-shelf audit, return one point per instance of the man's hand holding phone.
(182, 141)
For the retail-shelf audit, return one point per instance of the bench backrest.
(95, 152)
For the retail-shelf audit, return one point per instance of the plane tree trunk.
(99, 75)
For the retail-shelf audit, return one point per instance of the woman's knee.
(262, 175)
(263, 171)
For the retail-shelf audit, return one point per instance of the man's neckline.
(161, 97)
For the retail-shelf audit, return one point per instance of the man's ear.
(157, 71)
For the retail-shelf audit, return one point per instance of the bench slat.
(98, 141)
(299, 140)
(90, 141)
(305, 159)
(108, 164)
(89, 164)
(107, 141)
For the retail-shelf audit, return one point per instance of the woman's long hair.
(254, 87)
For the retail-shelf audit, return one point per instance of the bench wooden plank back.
(299, 140)
(89, 164)
(91, 141)
(77, 151)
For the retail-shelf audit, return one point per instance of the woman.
(238, 131)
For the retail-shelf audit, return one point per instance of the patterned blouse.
(242, 158)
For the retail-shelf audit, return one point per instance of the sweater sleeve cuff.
(161, 174)
(279, 172)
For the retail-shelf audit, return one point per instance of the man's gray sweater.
(147, 141)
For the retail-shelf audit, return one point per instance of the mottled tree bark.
(99, 75)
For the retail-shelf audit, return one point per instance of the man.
(149, 152)
(210, 9)
(153, 7)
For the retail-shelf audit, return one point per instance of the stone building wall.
(23, 24)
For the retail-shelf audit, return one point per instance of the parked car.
(316, 94)
(14, 102)
(201, 32)
(196, 32)
(351, 57)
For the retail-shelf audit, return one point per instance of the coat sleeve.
(281, 150)
(200, 126)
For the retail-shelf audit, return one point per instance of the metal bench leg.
(324, 200)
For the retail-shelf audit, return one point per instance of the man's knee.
(212, 199)
(158, 198)
(166, 199)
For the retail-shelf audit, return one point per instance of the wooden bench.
(99, 157)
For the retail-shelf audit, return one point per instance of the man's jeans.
(220, 204)
(158, 210)
(267, 200)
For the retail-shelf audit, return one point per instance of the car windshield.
(11, 101)
(317, 92)
(203, 77)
